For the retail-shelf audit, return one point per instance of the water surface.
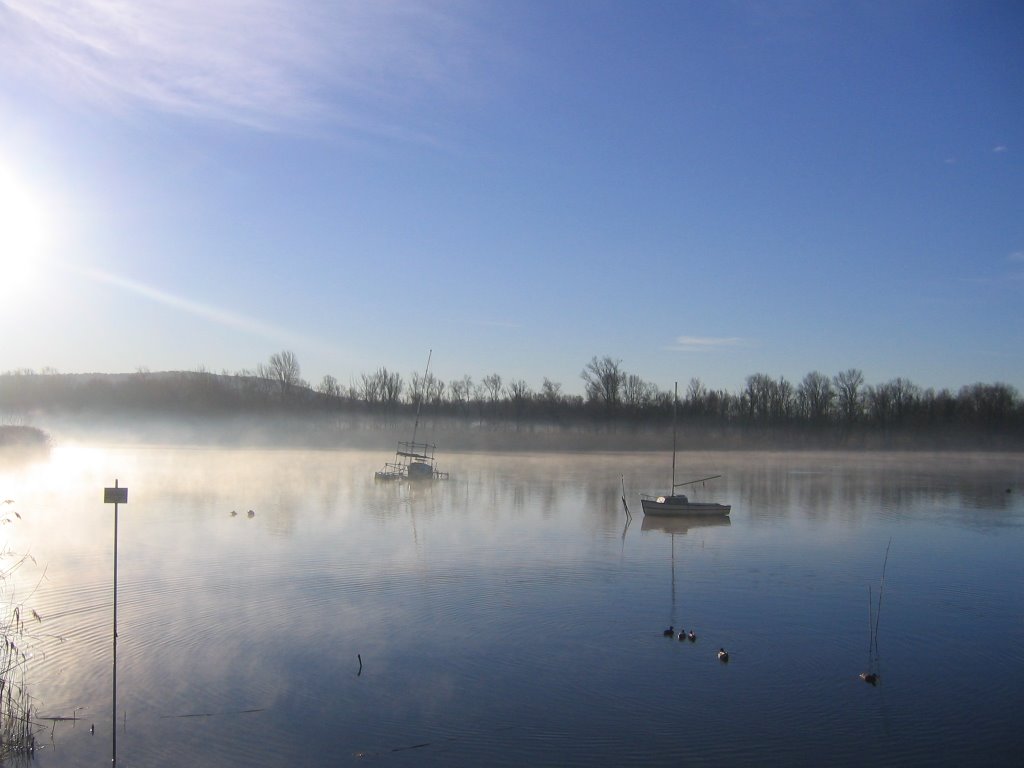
(510, 616)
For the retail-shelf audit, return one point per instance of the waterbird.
(669, 632)
(92, 728)
(233, 513)
(692, 636)
(869, 677)
(723, 655)
(250, 513)
(682, 635)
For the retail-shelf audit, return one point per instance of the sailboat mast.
(675, 397)
(423, 394)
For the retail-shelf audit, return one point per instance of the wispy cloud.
(704, 343)
(999, 148)
(1016, 256)
(270, 64)
(219, 316)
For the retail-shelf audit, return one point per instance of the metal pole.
(675, 397)
(116, 495)
(113, 719)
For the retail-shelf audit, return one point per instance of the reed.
(18, 724)
(874, 615)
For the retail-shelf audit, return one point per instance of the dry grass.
(17, 724)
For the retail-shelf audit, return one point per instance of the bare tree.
(391, 386)
(879, 401)
(603, 381)
(381, 386)
(435, 391)
(767, 400)
(697, 396)
(988, 404)
(425, 388)
(329, 386)
(783, 400)
(371, 387)
(551, 396)
(906, 396)
(848, 384)
(492, 387)
(283, 367)
(518, 389)
(815, 396)
(460, 390)
(637, 393)
(757, 396)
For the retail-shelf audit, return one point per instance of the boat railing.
(694, 482)
(424, 451)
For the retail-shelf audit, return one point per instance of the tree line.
(838, 405)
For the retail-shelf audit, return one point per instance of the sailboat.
(413, 461)
(677, 504)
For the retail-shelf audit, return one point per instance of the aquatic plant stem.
(871, 629)
(881, 588)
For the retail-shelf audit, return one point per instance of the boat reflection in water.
(682, 523)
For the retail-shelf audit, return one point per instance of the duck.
(250, 513)
(692, 636)
(669, 632)
(871, 678)
(682, 635)
(233, 513)
(723, 655)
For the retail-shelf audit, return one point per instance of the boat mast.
(675, 397)
(423, 394)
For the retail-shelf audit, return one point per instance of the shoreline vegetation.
(18, 721)
(23, 438)
(619, 412)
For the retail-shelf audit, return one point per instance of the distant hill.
(14, 436)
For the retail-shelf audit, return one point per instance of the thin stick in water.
(871, 628)
(881, 587)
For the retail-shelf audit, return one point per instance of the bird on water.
(723, 655)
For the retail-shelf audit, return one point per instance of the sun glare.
(22, 231)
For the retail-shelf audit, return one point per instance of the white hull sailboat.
(680, 506)
(675, 504)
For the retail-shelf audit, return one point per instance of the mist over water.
(510, 616)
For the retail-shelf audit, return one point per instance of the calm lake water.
(509, 616)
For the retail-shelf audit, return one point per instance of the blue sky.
(696, 189)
